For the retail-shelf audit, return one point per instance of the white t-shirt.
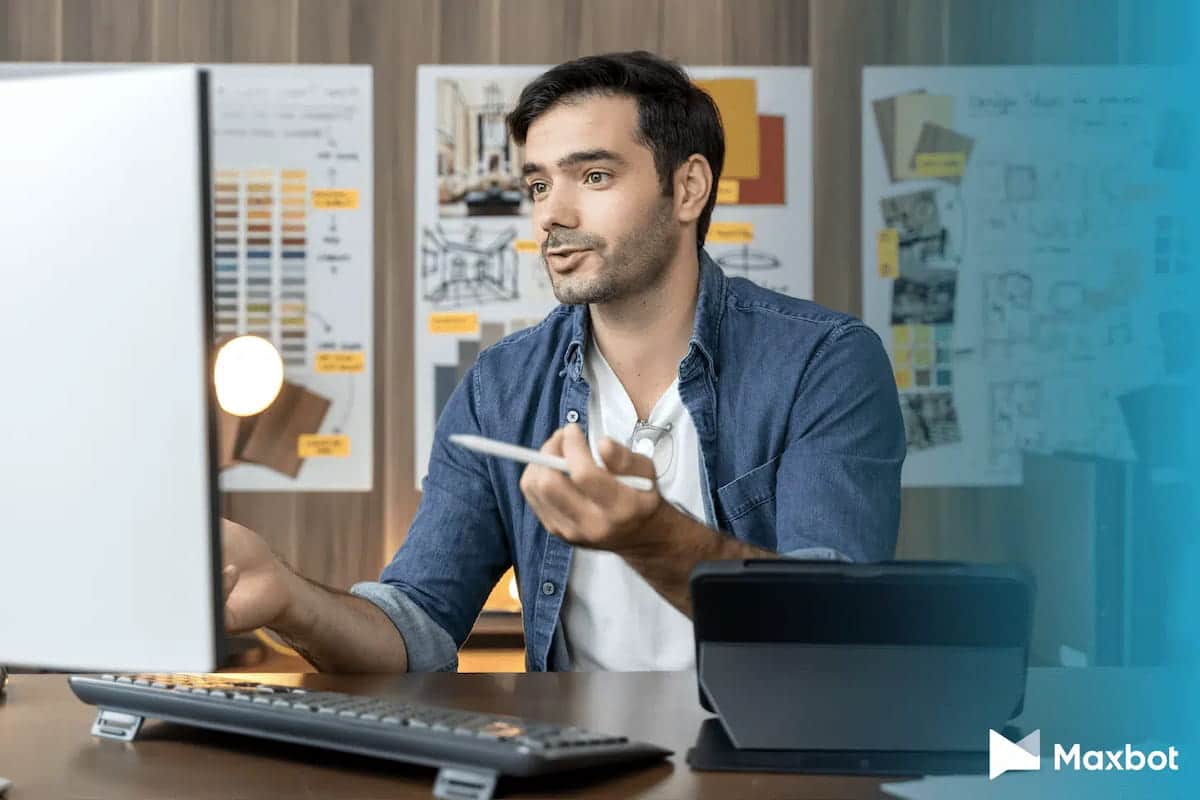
(613, 618)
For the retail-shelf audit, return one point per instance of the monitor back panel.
(108, 553)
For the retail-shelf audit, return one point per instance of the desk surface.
(46, 749)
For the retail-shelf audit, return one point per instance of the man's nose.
(557, 210)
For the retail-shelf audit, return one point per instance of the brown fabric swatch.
(273, 435)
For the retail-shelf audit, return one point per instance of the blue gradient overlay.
(1150, 582)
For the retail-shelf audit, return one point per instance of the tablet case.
(828, 658)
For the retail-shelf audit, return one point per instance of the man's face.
(605, 228)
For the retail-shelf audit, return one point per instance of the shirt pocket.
(746, 506)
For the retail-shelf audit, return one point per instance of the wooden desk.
(46, 749)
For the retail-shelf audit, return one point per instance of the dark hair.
(675, 117)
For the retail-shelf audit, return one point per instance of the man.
(770, 425)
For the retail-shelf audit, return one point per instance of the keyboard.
(471, 749)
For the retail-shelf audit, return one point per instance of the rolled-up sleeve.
(430, 648)
(838, 483)
(455, 550)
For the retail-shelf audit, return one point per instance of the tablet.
(882, 657)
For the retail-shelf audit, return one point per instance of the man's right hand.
(333, 630)
(258, 587)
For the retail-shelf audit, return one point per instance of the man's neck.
(644, 337)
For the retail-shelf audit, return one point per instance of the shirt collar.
(706, 329)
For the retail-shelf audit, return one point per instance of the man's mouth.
(565, 259)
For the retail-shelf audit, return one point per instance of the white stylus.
(491, 447)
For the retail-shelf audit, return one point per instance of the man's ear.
(693, 181)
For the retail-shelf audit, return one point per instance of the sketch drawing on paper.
(930, 419)
(1008, 313)
(473, 267)
(743, 260)
(1015, 421)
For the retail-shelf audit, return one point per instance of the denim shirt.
(801, 443)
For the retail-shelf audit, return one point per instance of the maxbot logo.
(1004, 755)
(1026, 755)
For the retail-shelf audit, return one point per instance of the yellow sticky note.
(941, 165)
(335, 199)
(923, 357)
(729, 191)
(456, 322)
(314, 445)
(730, 233)
(923, 334)
(526, 246)
(340, 361)
(737, 100)
(286, 174)
(887, 252)
(904, 379)
(902, 356)
(901, 335)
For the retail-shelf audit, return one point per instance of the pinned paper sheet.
(312, 445)
(341, 361)
(526, 246)
(335, 199)
(941, 153)
(737, 100)
(728, 191)
(730, 233)
(770, 187)
(454, 322)
(887, 249)
(913, 111)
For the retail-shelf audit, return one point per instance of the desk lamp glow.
(248, 375)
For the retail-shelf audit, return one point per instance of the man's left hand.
(589, 507)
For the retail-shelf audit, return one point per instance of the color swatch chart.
(260, 258)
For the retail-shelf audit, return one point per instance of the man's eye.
(536, 188)
(595, 177)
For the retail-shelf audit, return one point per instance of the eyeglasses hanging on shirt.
(656, 443)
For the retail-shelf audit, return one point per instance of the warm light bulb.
(248, 375)
(513, 592)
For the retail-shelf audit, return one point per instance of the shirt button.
(572, 416)
(548, 588)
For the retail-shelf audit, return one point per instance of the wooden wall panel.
(31, 30)
(323, 32)
(467, 31)
(341, 537)
(401, 37)
(771, 32)
(546, 32)
(610, 25)
(107, 30)
(264, 31)
(687, 32)
(193, 30)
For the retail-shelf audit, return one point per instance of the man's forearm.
(675, 543)
(338, 632)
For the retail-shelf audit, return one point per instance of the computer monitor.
(109, 525)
